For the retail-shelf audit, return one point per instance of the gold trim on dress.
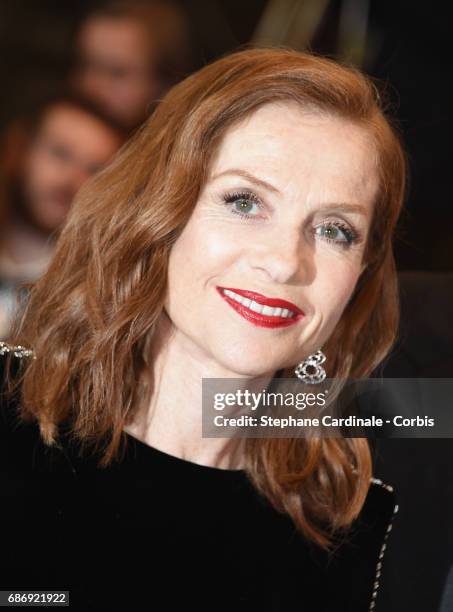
(383, 546)
(17, 351)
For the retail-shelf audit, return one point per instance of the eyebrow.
(332, 206)
(249, 177)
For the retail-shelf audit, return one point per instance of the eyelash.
(352, 235)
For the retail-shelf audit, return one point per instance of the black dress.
(156, 532)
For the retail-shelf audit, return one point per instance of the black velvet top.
(156, 532)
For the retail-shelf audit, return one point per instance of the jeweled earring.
(312, 362)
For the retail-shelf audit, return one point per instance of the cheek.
(336, 285)
(42, 171)
(203, 250)
(202, 254)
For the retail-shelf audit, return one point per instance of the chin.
(248, 371)
(247, 361)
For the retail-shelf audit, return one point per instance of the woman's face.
(281, 224)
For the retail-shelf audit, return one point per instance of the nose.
(282, 256)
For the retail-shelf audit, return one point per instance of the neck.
(172, 421)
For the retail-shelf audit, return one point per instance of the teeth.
(256, 307)
(259, 308)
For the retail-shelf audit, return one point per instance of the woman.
(267, 175)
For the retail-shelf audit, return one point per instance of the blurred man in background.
(128, 53)
(45, 160)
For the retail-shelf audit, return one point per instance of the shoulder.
(380, 505)
(360, 558)
(27, 463)
(10, 366)
(347, 577)
(18, 437)
(377, 517)
(12, 359)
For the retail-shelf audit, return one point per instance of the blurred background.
(119, 58)
(79, 76)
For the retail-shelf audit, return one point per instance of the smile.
(261, 310)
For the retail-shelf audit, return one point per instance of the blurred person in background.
(46, 157)
(127, 54)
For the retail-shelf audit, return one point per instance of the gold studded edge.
(17, 351)
(383, 547)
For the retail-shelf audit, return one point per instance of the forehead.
(293, 147)
(119, 37)
(78, 130)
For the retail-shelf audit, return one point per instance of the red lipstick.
(259, 319)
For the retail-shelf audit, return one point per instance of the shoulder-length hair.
(91, 317)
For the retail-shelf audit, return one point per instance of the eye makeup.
(349, 235)
(243, 202)
(244, 198)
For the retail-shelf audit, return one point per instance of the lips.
(261, 310)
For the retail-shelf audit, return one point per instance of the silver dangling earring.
(312, 361)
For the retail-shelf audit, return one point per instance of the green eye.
(336, 233)
(243, 206)
(331, 232)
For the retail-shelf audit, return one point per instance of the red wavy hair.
(92, 316)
